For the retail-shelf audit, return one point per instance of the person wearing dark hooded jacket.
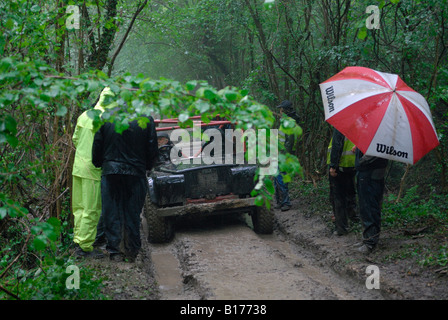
(124, 159)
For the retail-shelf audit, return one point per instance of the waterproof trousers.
(370, 185)
(281, 191)
(123, 197)
(100, 232)
(86, 205)
(343, 199)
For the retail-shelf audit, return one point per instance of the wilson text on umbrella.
(382, 148)
(330, 97)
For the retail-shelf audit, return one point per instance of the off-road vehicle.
(192, 187)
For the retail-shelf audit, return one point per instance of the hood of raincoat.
(83, 140)
(100, 104)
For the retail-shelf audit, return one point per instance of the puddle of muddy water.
(167, 273)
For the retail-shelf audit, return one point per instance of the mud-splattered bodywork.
(202, 188)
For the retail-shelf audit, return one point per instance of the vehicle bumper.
(214, 207)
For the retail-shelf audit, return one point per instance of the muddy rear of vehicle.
(201, 190)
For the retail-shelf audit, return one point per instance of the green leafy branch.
(38, 87)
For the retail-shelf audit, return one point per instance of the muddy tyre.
(160, 229)
(263, 220)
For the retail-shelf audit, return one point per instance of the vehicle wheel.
(263, 220)
(160, 229)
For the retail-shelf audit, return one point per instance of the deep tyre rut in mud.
(225, 259)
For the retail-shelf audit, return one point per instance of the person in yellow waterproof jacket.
(341, 162)
(86, 187)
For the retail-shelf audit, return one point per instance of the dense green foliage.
(181, 58)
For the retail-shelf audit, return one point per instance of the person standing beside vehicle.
(86, 187)
(281, 188)
(124, 159)
(341, 162)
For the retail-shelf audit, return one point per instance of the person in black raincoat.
(124, 159)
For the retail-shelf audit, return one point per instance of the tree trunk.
(273, 82)
(98, 58)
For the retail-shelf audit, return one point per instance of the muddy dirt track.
(229, 261)
(222, 258)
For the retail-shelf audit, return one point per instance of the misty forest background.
(272, 50)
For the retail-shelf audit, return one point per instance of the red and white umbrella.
(380, 114)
